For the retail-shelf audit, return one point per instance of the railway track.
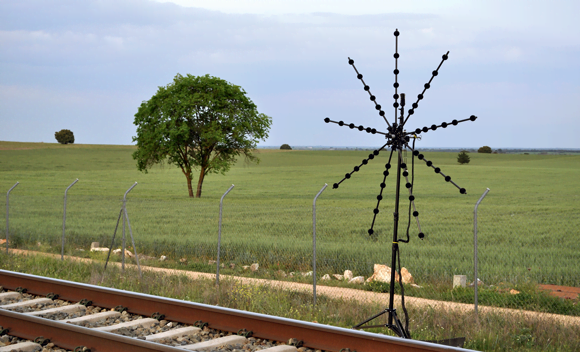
(79, 317)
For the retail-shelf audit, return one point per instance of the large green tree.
(198, 122)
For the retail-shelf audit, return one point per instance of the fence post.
(7, 205)
(64, 219)
(476, 279)
(217, 276)
(124, 217)
(314, 243)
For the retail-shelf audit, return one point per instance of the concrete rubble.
(382, 273)
(357, 280)
(96, 248)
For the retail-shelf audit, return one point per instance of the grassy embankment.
(494, 332)
(527, 223)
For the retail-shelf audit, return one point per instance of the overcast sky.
(87, 66)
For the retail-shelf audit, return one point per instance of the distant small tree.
(64, 137)
(285, 147)
(463, 158)
(484, 149)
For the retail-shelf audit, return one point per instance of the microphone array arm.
(368, 89)
(357, 168)
(425, 87)
(436, 169)
(443, 125)
(353, 126)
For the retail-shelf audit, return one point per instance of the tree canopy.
(64, 137)
(285, 147)
(484, 149)
(463, 158)
(198, 122)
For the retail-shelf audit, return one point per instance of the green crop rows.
(528, 223)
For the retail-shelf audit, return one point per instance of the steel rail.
(313, 335)
(70, 336)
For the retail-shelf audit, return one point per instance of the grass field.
(528, 223)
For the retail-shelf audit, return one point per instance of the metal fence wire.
(517, 245)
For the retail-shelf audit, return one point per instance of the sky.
(87, 66)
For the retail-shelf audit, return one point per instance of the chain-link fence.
(519, 246)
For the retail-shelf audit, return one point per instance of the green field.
(528, 223)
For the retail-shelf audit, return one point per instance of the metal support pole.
(476, 281)
(123, 239)
(395, 245)
(64, 219)
(7, 206)
(314, 243)
(125, 210)
(113, 240)
(217, 276)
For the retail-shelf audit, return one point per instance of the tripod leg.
(359, 326)
(399, 327)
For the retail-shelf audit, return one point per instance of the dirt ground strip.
(565, 292)
(340, 292)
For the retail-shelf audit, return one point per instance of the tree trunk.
(200, 182)
(189, 188)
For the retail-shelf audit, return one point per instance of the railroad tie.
(189, 330)
(215, 343)
(145, 322)
(92, 317)
(26, 303)
(73, 308)
(22, 346)
(9, 295)
(281, 348)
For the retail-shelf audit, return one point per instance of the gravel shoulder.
(340, 292)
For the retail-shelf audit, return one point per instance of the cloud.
(292, 64)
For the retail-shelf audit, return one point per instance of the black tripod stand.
(397, 141)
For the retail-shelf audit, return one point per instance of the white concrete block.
(459, 281)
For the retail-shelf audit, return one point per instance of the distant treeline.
(455, 150)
